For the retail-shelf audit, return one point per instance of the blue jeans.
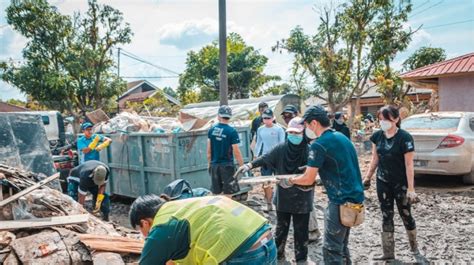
(72, 190)
(264, 255)
(336, 237)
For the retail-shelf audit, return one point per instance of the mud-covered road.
(444, 218)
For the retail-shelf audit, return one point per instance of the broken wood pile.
(40, 225)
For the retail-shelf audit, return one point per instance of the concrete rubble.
(54, 244)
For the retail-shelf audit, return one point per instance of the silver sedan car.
(444, 143)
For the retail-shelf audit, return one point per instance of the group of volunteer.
(217, 230)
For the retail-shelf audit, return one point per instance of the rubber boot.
(414, 247)
(388, 247)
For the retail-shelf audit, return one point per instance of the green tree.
(16, 102)
(201, 76)
(168, 90)
(68, 59)
(157, 106)
(424, 56)
(351, 41)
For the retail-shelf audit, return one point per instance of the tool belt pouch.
(351, 214)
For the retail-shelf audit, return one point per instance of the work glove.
(284, 182)
(302, 168)
(412, 197)
(102, 146)
(366, 183)
(245, 168)
(98, 203)
(94, 142)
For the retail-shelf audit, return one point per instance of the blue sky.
(164, 31)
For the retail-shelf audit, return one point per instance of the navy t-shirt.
(336, 158)
(84, 174)
(222, 137)
(391, 152)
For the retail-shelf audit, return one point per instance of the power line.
(418, 7)
(135, 57)
(448, 24)
(437, 4)
(149, 77)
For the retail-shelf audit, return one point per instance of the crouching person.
(205, 230)
(90, 177)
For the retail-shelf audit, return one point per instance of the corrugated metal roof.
(458, 65)
(139, 96)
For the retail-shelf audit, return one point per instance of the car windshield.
(431, 123)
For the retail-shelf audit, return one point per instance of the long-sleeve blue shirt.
(267, 138)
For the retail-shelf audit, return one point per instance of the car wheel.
(468, 178)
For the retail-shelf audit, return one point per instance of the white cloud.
(193, 33)
(189, 34)
(7, 92)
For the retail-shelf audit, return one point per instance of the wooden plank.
(43, 222)
(97, 116)
(119, 245)
(29, 189)
(264, 179)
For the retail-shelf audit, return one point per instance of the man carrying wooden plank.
(205, 230)
(92, 176)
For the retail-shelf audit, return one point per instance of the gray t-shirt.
(268, 138)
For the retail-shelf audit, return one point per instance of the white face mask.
(310, 134)
(385, 125)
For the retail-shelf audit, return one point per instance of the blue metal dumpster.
(143, 163)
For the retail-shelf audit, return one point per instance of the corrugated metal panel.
(461, 64)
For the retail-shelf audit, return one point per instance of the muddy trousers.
(300, 230)
(387, 194)
(336, 237)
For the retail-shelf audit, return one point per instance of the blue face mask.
(295, 139)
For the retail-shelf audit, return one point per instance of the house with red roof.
(453, 80)
(6, 107)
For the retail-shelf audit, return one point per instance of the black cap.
(268, 113)
(337, 115)
(225, 111)
(262, 105)
(315, 112)
(290, 109)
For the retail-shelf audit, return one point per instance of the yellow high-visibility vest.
(218, 225)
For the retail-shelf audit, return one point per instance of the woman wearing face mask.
(293, 202)
(392, 153)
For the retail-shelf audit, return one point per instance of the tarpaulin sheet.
(23, 143)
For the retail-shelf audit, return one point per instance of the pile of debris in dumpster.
(40, 225)
(131, 122)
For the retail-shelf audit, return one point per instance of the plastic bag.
(21, 210)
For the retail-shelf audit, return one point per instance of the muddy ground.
(444, 218)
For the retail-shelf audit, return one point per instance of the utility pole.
(118, 75)
(222, 53)
(118, 62)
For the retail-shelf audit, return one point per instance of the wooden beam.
(29, 189)
(112, 243)
(264, 179)
(44, 222)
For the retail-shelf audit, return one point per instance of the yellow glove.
(94, 142)
(98, 203)
(102, 146)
